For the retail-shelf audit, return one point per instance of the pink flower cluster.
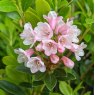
(50, 39)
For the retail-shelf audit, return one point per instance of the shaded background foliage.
(13, 15)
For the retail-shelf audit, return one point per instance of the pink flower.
(52, 19)
(54, 58)
(50, 47)
(67, 62)
(28, 35)
(43, 31)
(59, 26)
(24, 56)
(39, 47)
(64, 42)
(78, 50)
(71, 30)
(36, 64)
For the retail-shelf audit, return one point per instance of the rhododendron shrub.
(46, 47)
(48, 42)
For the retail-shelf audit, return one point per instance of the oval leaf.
(42, 7)
(65, 88)
(50, 81)
(7, 6)
(9, 60)
(11, 88)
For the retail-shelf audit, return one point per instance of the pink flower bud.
(67, 62)
(54, 58)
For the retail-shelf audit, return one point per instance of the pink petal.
(39, 47)
(29, 52)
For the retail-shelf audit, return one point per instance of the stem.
(81, 38)
(56, 5)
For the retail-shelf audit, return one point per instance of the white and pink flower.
(36, 64)
(50, 47)
(64, 42)
(52, 18)
(78, 50)
(24, 56)
(43, 31)
(49, 40)
(28, 35)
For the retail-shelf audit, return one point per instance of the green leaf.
(11, 88)
(7, 6)
(2, 92)
(42, 7)
(37, 83)
(13, 74)
(39, 76)
(65, 11)
(88, 93)
(89, 20)
(31, 17)
(79, 86)
(87, 38)
(26, 84)
(69, 76)
(50, 81)
(9, 60)
(65, 88)
(60, 73)
(25, 4)
(2, 73)
(63, 3)
(54, 94)
(13, 15)
(23, 69)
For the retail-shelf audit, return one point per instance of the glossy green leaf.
(31, 17)
(26, 84)
(65, 88)
(11, 88)
(9, 60)
(89, 20)
(26, 4)
(54, 94)
(50, 81)
(88, 93)
(65, 11)
(37, 83)
(2, 92)
(7, 6)
(42, 7)
(15, 75)
(78, 88)
(87, 37)
(39, 76)
(13, 15)
(23, 69)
